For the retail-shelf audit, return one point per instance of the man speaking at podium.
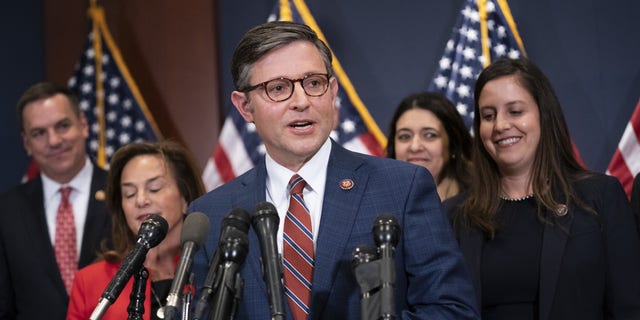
(327, 197)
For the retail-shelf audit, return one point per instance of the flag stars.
(514, 54)
(262, 150)
(500, 50)
(85, 105)
(466, 72)
(93, 145)
(127, 104)
(110, 133)
(468, 53)
(463, 91)
(88, 70)
(114, 82)
(113, 99)
(462, 108)
(491, 24)
(502, 32)
(337, 102)
(109, 151)
(125, 122)
(112, 116)
(124, 138)
(86, 88)
(348, 126)
(140, 126)
(95, 128)
(472, 34)
(441, 81)
(491, 7)
(90, 53)
(445, 63)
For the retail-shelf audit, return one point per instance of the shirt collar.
(80, 183)
(314, 172)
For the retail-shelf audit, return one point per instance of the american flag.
(484, 32)
(108, 96)
(625, 163)
(110, 99)
(239, 146)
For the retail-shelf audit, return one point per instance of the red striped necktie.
(297, 250)
(65, 241)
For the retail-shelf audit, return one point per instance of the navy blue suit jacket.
(31, 286)
(432, 281)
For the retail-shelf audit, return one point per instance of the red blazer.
(88, 286)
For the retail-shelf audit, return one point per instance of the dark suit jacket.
(431, 282)
(589, 264)
(30, 283)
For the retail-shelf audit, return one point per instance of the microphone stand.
(137, 297)
(386, 233)
(187, 298)
(366, 267)
(228, 292)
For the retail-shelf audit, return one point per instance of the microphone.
(238, 220)
(152, 231)
(194, 233)
(386, 233)
(265, 221)
(366, 267)
(228, 284)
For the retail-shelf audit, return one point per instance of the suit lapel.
(97, 218)
(339, 210)
(554, 240)
(252, 191)
(35, 224)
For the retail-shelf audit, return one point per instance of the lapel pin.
(100, 196)
(561, 210)
(346, 184)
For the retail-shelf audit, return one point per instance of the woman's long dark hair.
(457, 166)
(555, 167)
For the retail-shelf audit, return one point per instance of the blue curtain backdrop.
(589, 49)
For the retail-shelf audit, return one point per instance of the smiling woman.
(145, 178)
(427, 130)
(532, 211)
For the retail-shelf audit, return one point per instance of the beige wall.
(170, 50)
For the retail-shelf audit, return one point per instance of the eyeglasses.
(281, 89)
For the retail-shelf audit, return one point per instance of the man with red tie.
(53, 224)
(327, 197)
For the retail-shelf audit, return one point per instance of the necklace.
(160, 312)
(517, 199)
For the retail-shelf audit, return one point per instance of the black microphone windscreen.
(265, 209)
(237, 218)
(386, 230)
(153, 230)
(195, 228)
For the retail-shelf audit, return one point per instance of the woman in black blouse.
(543, 237)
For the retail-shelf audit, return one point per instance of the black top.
(510, 263)
(588, 257)
(161, 289)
